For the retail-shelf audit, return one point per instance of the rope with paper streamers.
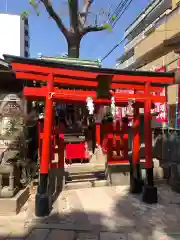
(113, 106)
(90, 105)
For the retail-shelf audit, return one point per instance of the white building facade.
(14, 35)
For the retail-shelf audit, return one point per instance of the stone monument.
(13, 148)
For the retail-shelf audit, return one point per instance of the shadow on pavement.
(126, 217)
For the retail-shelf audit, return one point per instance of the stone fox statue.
(14, 162)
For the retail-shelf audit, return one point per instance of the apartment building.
(14, 33)
(153, 41)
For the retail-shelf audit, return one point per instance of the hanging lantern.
(90, 105)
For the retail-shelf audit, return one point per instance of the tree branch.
(93, 29)
(84, 12)
(73, 15)
(55, 16)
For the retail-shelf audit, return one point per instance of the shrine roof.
(4, 65)
(53, 64)
(6, 71)
(7, 77)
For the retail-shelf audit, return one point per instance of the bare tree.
(78, 22)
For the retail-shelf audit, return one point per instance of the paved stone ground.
(104, 213)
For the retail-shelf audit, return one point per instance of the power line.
(112, 50)
(117, 11)
(127, 6)
(117, 45)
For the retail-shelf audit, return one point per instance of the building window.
(26, 22)
(26, 32)
(27, 44)
(26, 54)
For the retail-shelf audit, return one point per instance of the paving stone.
(137, 236)
(96, 203)
(73, 211)
(86, 236)
(18, 231)
(112, 236)
(103, 209)
(4, 232)
(60, 234)
(38, 234)
(173, 236)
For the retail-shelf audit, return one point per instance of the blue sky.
(47, 39)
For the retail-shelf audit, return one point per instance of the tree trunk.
(73, 47)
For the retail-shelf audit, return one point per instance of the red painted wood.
(80, 95)
(45, 158)
(147, 130)
(80, 73)
(87, 78)
(116, 143)
(98, 134)
(85, 83)
(75, 151)
(61, 148)
(136, 136)
(120, 162)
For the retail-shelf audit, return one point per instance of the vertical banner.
(161, 109)
(121, 111)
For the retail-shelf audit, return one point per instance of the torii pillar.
(42, 197)
(150, 191)
(136, 182)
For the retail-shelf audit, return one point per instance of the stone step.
(84, 168)
(85, 184)
(85, 175)
(90, 179)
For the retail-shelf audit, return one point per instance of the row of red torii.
(59, 77)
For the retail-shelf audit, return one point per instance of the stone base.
(56, 183)
(118, 175)
(6, 193)
(12, 206)
(150, 194)
(42, 208)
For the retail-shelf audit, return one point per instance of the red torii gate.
(144, 83)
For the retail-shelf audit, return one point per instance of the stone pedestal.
(7, 193)
(12, 206)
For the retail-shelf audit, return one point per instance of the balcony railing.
(126, 64)
(135, 41)
(152, 7)
(170, 23)
(159, 21)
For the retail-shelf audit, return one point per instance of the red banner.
(121, 111)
